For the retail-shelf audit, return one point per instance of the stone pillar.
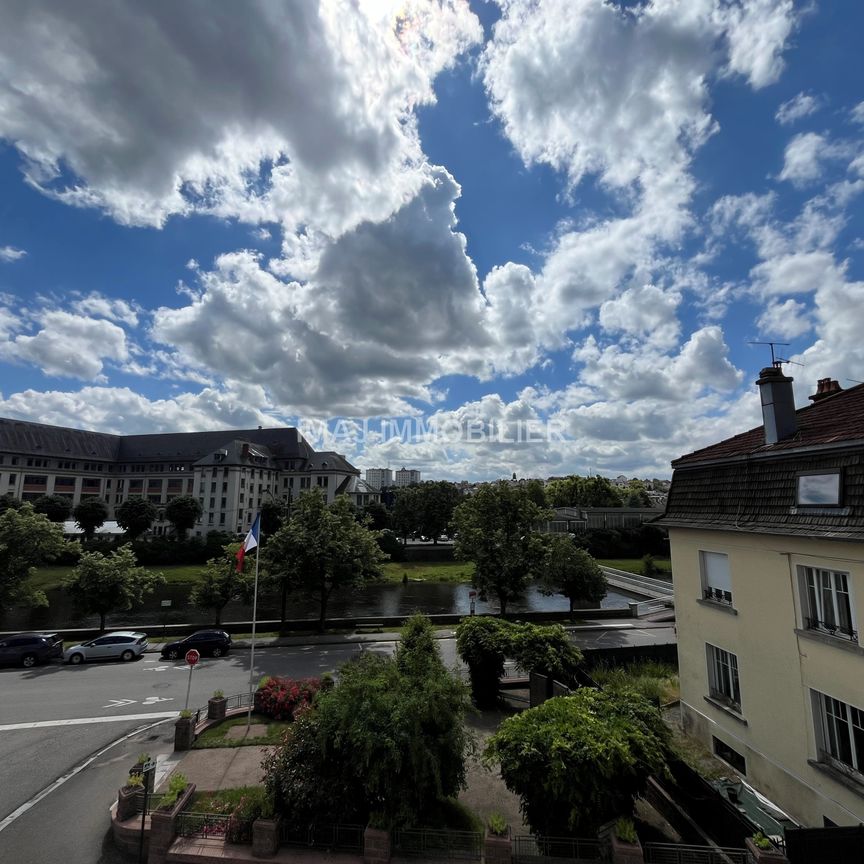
(161, 836)
(216, 708)
(376, 846)
(184, 733)
(765, 856)
(497, 849)
(127, 802)
(265, 837)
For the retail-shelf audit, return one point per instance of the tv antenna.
(793, 362)
(775, 361)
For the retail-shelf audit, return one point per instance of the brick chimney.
(778, 404)
(825, 387)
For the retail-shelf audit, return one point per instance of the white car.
(122, 645)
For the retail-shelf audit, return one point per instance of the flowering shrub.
(281, 698)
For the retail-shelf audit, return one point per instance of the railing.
(429, 843)
(717, 595)
(675, 853)
(638, 584)
(219, 825)
(831, 629)
(528, 849)
(646, 607)
(153, 801)
(239, 700)
(335, 838)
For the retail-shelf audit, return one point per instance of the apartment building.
(767, 542)
(407, 477)
(231, 472)
(378, 478)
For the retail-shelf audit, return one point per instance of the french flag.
(250, 543)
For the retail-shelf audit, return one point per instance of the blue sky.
(531, 237)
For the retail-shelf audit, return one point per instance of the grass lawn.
(215, 735)
(50, 577)
(225, 800)
(429, 571)
(634, 565)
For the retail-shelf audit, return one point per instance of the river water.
(374, 600)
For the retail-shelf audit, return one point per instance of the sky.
(474, 239)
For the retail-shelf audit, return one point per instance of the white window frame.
(827, 602)
(724, 682)
(721, 592)
(839, 730)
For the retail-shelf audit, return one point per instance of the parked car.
(124, 645)
(28, 649)
(212, 642)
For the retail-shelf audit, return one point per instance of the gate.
(528, 849)
(678, 853)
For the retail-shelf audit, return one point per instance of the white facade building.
(407, 477)
(378, 478)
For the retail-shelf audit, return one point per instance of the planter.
(149, 777)
(764, 856)
(127, 802)
(216, 708)
(163, 827)
(626, 853)
(265, 837)
(184, 733)
(376, 846)
(497, 848)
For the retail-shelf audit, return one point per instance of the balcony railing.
(831, 629)
(716, 595)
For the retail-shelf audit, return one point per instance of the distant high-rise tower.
(377, 478)
(407, 476)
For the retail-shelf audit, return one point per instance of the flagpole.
(254, 618)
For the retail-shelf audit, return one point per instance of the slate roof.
(742, 484)
(39, 439)
(283, 443)
(835, 419)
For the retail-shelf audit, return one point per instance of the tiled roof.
(832, 420)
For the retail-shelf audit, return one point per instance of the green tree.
(56, 507)
(577, 761)
(27, 539)
(483, 643)
(388, 740)
(435, 502)
(405, 519)
(221, 583)
(497, 530)
(578, 491)
(110, 583)
(321, 549)
(183, 512)
(9, 502)
(274, 514)
(90, 514)
(634, 494)
(537, 492)
(546, 649)
(135, 516)
(377, 516)
(571, 571)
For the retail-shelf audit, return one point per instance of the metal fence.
(674, 853)
(335, 838)
(202, 824)
(153, 801)
(439, 845)
(528, 849)
(239, 700)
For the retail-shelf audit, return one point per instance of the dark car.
(28, 649)
(212, 642)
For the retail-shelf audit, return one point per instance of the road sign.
(472, 594)
(192, 656)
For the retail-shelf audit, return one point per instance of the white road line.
(81, 721)
(27, 805)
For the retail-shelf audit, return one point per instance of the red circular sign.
(192, 656)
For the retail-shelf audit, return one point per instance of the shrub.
(280, 698)
(496, 824)
(760, 841)
(218, 694)
(625, 830)
(252, 805)
(547, 650)
(134, 781)
(649, 568)
(176, 787)
(483, 643)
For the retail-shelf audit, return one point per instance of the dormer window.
(819, 490)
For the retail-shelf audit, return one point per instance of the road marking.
(119, 703)
(156, 669)
(27, 805)
(82, 721)
(152, 700)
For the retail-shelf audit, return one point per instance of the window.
(223, 504)
(727, 754)
(716, 578)
(221, 518)
(819, 489)
(839, 733)
(305, 482)
(829, 606)
(723, 677)
(322, 482)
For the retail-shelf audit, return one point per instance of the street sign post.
(192, 657)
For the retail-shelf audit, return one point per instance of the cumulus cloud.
(786, 320)
(805, 157)
(647, 312)
(801, 105)
(300, 112)
(757, 31)
(10, 253)
(112, 308)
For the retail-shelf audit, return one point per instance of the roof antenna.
(854, 381)
(776, 362)
(793, 362)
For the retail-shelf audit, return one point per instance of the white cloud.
(757, 31)
(806, 155)
(301, 112)
(857, 113)
(801, 105)
(114, 309)
(10, 253)
(795, 273)
(786, 320)
(646, 311)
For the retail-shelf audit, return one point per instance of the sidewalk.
(219, 767)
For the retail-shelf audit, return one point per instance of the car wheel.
(28, 661)
(127, 655)
(217, 652)
(76, 659)
(173, 654)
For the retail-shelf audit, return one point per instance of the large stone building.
(379, 478)
(407, 477)
(767, 542)
(230, 472)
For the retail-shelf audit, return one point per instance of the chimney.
(244, 450)
(778, 404)
(825, 387)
